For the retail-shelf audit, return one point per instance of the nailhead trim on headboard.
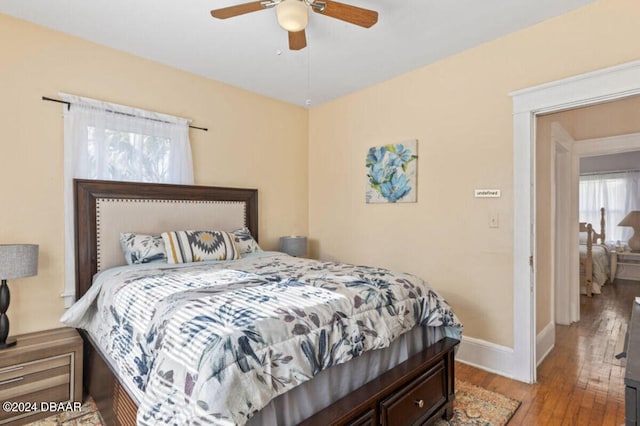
(102, 201)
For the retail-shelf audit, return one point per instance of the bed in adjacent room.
(179, 336)
(595, 257)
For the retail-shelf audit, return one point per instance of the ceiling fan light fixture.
(293, 15)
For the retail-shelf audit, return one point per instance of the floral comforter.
(212, 343)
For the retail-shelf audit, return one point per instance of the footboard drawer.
(416, 402)
(418, 391)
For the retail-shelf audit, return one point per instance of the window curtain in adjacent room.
(114, 142)
(618, 193)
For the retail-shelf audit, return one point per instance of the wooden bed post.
(602, 237)
(588, 267)
(586, 264)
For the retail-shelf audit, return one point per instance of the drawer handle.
(6, 382)
(419, 403)
(10, 369)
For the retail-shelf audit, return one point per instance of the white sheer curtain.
(115, 142)
(618, 193)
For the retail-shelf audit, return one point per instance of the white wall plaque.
(487, 193)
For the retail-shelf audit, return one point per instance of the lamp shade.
(293, 15)
(632, 219)
(294, 245)
(18, 261)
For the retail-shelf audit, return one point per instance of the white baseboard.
(499, 359)
(545, 342)
(486, 356)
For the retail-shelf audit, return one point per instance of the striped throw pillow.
(197, 246)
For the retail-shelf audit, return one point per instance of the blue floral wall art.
(391, 173)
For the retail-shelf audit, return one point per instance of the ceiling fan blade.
(297, 40)
(240, 9)
(352, 14)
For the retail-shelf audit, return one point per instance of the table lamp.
(293, 245)
(16, 261)
(632, 219)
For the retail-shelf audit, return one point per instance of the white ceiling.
(251, 51)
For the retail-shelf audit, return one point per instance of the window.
(617, 193)
(114, 142)
(128, 156)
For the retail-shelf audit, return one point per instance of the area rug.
(87, 415)
(478, 406)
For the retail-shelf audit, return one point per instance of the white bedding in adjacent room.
(601, 265)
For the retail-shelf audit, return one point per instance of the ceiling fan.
(293, 15)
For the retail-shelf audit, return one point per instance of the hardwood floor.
(580, 382)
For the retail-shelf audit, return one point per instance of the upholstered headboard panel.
(104, 209)
(153, 217)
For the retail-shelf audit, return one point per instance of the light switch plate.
(493, 221)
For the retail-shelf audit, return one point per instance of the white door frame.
(563, 306)
(595, 87)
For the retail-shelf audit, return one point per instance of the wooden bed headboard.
(103, 209)
(595, 236)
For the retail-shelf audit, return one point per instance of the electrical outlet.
(493, 220)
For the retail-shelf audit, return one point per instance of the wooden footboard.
(418, 391)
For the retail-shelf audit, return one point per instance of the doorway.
(612, 151)
(588, 89)
(597, 132)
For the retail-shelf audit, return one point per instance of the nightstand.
(628, 266)
(42, 369)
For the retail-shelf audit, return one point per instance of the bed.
(595, 268)
(396, 373)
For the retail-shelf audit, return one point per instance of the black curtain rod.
(68, 104)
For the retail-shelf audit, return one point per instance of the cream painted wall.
(460, 111)
(601, 120)
(596, 121)
(253, 141)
